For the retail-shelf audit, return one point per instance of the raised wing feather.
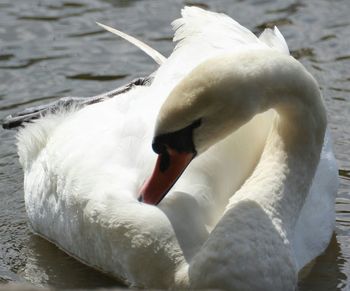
(155, 55)
(201, 35)
(274, 39)
(218, 30)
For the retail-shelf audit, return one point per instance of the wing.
(201, 35)
(198, 26)
(67, 104)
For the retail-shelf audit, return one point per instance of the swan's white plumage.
(322, 195)
(83, 170)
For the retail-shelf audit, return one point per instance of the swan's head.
(201, 110)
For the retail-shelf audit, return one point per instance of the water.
(52, 48)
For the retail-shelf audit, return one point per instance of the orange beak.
(164, 176)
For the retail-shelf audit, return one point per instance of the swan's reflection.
(325, 272)
(47, 265)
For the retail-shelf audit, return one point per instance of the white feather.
(155, 55)
(198, 26)
(274, 39)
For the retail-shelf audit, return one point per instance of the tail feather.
(33, 138)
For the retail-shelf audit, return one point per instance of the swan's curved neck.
(282, 178)
(260, 219)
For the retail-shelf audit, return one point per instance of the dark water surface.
(54, 48)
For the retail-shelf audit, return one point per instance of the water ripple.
(66, 5)
(197, 4)
(33, 100)
(88, 33)
(343, 58)
(32, 61)
(339, 89)
(343, 24)
(327, 37)
(92, 77)
(302, 53)
(290, 9)
(39, 18)
(6, 57)
(344, 174)
(272, 23)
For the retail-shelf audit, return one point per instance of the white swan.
(242, 216)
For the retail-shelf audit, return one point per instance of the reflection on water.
(47, 265)
(327, 266)
(50, 49)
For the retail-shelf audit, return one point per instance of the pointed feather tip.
(100, 24)
(151, 52)
(106, 27)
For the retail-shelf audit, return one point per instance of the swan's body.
(83, 170)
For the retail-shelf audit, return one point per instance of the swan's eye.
(180, 140)
(158, 147)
